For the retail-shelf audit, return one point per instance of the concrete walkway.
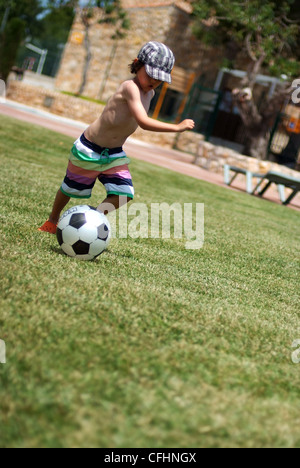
(167, 158)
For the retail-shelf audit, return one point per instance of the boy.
(98, 152)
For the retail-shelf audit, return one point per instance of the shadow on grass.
(60, 252)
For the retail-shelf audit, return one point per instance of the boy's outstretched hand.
(187, 124)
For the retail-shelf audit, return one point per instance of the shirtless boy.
(98, 153)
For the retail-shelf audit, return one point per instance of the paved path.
(167, 158)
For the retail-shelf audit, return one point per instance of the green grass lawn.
(151, 345)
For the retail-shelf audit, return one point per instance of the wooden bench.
(282, 181)
(228, 178)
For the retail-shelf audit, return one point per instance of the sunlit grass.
(151, 345)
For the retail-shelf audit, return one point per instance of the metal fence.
(29, 60)
(203, 106)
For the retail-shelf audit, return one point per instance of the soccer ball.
(83, 232)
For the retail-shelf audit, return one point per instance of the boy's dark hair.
(136, 66)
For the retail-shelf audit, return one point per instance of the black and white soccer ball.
(83, 232)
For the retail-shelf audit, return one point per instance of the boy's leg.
(113, 202)
(116, 180)
(61, 200)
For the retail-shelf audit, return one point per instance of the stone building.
(161, 20)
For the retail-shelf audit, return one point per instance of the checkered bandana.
(158, 59)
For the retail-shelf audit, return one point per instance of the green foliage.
(116, 15)
(21, 20)
(9, 44)
(264, 29)
(55, 25)
(26, 10)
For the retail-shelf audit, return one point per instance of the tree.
(268, 33)
(116, 15)
(52, 32)
(10, 41)
(55, 24)
(17, 20)
(44, 23)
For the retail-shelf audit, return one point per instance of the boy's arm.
(132, 96)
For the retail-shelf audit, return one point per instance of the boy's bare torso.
(116, 123)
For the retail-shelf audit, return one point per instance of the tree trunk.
(256, 126)
(88, 57)
(258, 122)
(108, 68)
(257, 144)
(10, 40)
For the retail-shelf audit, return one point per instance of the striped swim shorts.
(89, 162)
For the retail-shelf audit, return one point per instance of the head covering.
(158, 59)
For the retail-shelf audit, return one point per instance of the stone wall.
(145, 3)
(183, 4)
(213, 158)
(110, 60)
(54, 101)
(163, 21)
